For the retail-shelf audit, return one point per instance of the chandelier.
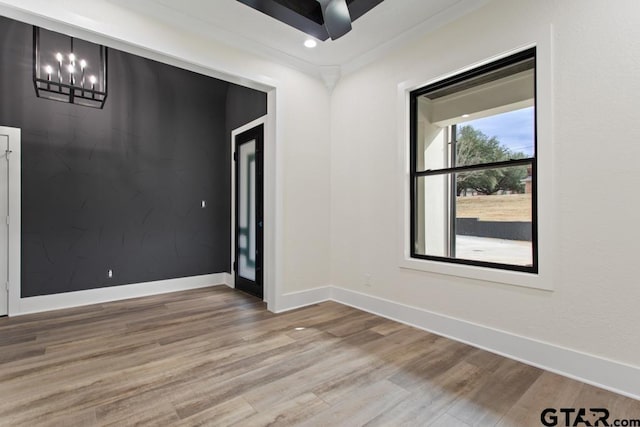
(69, 70)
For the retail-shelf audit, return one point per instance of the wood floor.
(216, 357)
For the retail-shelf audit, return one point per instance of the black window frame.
(533, 161)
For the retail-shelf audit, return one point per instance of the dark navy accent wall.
(121, 188)
(244, 105)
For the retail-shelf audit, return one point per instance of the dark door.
(249, 200)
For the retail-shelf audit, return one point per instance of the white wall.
(594, 145)
(339, 164)
(302, 109)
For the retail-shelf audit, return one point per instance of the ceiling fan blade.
(336, 17)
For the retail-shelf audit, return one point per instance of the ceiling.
(380, 30)
(308, 16)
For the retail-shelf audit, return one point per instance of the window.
(473, 167)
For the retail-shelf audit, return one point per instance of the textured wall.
(119, 188)
(590, 52)
(243, 106)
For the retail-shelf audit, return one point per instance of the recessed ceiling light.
(465, 116)
(310, 43)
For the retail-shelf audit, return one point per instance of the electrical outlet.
(110, 273)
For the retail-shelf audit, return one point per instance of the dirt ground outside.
(503, 207)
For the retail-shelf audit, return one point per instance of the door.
(249, 211)
(4, 224)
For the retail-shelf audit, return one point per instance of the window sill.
(514, 278)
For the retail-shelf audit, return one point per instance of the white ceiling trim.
(41, 13)
(172, 14)
(198, 26)
(439, 20)
(270, 39)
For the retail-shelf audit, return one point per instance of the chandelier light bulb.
(48, 69)
(67, 74)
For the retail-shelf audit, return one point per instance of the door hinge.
(235, 156)
(234, 266)
(7, 285)
(7, 219)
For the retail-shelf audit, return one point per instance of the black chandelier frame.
(70, 92)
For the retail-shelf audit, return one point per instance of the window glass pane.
(496, 138)
(246, 217)
(432, 143)
(432, 215)
(487, 118)
(474, 141)
(492, 210)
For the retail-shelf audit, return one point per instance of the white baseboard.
(607, 374)
(294, 300)
(600, 372)
(114, 293)
(229, 280)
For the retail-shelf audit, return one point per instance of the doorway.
(9, 214)
(249, 197)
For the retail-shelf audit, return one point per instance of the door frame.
(254, 287)
(14, 209)
(234, 133)
(209, 65)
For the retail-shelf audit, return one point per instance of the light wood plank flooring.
(217, 357)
